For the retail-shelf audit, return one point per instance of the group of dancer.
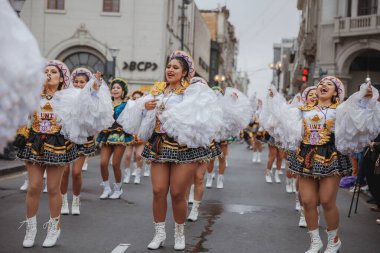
(179, 128)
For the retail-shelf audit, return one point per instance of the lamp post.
(277, 67)
(114, 53)
(183, 17)
(17, 6)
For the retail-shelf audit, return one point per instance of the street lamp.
(17, 6)
(114, 52)
(277, 66)
(219, 78)
(183, 17)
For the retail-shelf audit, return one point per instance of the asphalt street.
(248, 215)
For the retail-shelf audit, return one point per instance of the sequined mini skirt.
(161, 148)
(46, 149)
(319, 161)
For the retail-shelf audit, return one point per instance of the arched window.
(86, 60)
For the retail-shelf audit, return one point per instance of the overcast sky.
(259, 24)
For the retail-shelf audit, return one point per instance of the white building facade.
(143, 33)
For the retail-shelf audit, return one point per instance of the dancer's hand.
(151, 104)
(98, 76)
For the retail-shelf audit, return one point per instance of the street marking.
(121, 248)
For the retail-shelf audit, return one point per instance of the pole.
(114, 67)
(182, 24)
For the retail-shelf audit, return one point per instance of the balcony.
(356, 26)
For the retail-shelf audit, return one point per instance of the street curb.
(12, 170)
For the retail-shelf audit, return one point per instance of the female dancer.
(47, 145)
(177, 120)
(234, 120)
(275, 153)
(318, 160)
(222, 159)
(113, 141)
(257, 146)
(308, 97)
(135, 149)
(79, 78)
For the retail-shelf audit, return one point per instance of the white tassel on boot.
(302, 222)
(54, 231)
(209, 180)
(298, 203)
(106, 190)
(31, 231)
(288, 185)
(254, 157)
(179, 236)
(193, 216)
(316, 243)
(333, 241)
(127, 175)
(137, 175)
(191, 194)
(65, 205)
(75, 206)
(159, 236)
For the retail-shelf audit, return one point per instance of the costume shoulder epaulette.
(158, 88)
(306, 107)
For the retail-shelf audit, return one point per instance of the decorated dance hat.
(187, 58)
(137, 92)
(218, 89)
(306, 92)
(338, 84)
(79, 71)
(123, 84)
(65, 72)
(198, 79)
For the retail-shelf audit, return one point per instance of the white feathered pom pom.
(194, 121)
(21, 73)
(357, 121)
(83, 113)
(237, 113)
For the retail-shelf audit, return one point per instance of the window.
(367, 7)
(349, 6)
(111, 5)
(56, 4)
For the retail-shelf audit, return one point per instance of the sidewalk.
(8, 167)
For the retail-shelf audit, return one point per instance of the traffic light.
(305, 74)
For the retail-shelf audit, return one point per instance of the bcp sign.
(140, 66)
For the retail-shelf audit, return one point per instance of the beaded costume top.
(44, 119)
(319, 124)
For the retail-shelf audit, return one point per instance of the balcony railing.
(354, 26)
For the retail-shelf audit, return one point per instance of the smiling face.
(311, 97)
(326, 90)
(174, 71)
(80, 81)
(53, 76)
(117, 91)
